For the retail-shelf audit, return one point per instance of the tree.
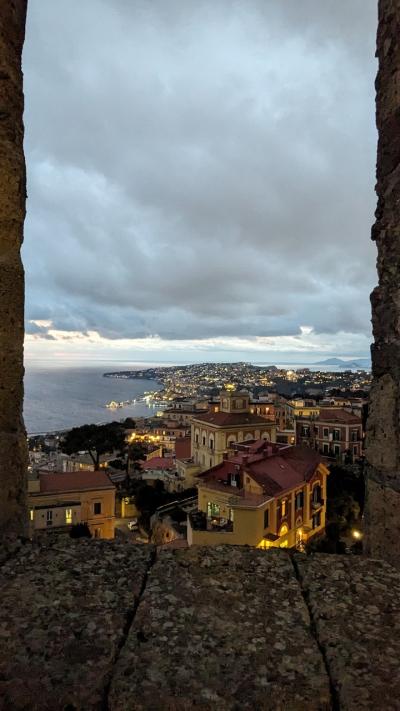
(136, 452)
(80, 530)
(95, 440)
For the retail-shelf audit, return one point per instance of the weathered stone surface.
(63, 612)
(12, 214)
(354, 603)
(383, 428)
(100, 626)
(222, 628)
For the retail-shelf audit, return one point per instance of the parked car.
(132, 525)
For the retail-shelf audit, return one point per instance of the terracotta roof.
(338, 415)
(232, 419)
(275, 473)
(159, 463)
(74, 481)
(183, 447)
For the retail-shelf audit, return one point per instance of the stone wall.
(383, 427)
(108, 626)
(12, 213)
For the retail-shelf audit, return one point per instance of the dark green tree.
(80, 530)
(95, 440)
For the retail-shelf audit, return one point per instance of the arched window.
(317, 494)
(283, 530)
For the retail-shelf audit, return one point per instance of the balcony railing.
(315, 505)
(200, 522)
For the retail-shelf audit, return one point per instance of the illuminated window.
(283, 508)
(68, 515)
(213, 510)
(31, 513)
(283, 530)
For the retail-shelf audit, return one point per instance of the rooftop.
(231, 419)
(275, 472)
(332, 414)
(159, 463)
(84, 480)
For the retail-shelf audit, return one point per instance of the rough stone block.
(63, 614)
(221, 628)
(354, 604)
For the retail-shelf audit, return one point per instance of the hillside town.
(241, 455)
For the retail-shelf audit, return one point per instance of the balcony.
(315, 505)
(200, 522)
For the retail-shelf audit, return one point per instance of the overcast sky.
(200, 178)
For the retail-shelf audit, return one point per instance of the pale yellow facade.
(259, 521)
(188, 472)
(210, 440)
(48, 511)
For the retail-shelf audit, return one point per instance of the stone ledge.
(90, 625)
(64, 612)
(354, 604)
(222, 628)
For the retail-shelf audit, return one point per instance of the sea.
(61, 396)
(58, 398)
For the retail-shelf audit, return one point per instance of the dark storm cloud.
(200, 169)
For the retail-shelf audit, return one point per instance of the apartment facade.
(58, 501)
(335, 432)
(230, 421)
(264, 496)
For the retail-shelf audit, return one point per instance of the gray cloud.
(200, 169)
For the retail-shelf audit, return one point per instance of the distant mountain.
(346, 364)
(330, 361)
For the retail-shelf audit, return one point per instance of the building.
(180, 417)
(335, 432)
(58, 501)
(263, 496)
(162, 469)
(299, 408)
(230, 421)
(185, 466)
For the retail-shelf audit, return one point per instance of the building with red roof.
(162, 469)
(334, 432)
(57, 501)
(264, 495)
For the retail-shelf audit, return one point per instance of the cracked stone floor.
(107, 625)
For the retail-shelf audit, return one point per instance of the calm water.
(59, 398)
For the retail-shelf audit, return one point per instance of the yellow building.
(299, 408)
(214, 433)
(58, 501)
(264, 496)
